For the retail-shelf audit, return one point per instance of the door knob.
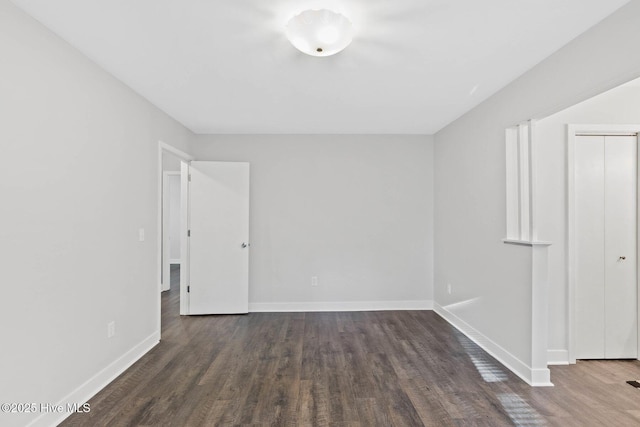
(622, 258)
(244, 245)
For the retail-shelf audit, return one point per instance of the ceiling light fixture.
(319, 32)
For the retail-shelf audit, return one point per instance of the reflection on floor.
(490, 370)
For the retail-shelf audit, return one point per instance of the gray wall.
(491, 281)
(78, 180)
(355, 211)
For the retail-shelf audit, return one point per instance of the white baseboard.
(96, 383)
(558, 357)
(533, 377)
(339, 306)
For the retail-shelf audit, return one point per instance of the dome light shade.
(319, 32)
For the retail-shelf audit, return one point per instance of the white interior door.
(620, 247)
(606, 236)
(589, 254)
(218, 209)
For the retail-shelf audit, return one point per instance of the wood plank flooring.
(402, 368)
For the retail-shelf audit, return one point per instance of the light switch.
(141, 234)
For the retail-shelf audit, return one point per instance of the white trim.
(558, 357)
(533, 181)
(524, 180)
(512, 183)
(533, 377)
(540, 312)
(572, 131)
(162, 149)
(184, 239)
(571, 232)
(255, 307)
(175, 261)
(597, 129)
(176, 152)
(99, 381)
(521, 182)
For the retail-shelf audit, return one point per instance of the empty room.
(339, 212)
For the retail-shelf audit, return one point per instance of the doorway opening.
(169, 159)
(171, 258)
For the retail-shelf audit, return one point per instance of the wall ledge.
(526, 242)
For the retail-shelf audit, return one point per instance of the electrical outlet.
(141, 234)
(449, 288)
(111, 329)
(314, 280)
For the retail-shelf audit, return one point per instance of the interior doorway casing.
(573, 130)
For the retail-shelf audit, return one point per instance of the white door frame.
(574, 130)
(163, 149)
(184, 238)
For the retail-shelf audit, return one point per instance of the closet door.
(620, 298)
(589, 254)
(606, 230)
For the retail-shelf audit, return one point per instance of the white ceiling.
(226, 66)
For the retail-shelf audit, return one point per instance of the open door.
(215, 241)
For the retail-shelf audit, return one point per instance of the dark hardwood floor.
(393, 368)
